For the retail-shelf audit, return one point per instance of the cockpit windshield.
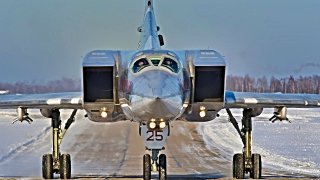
(171, 64)
(165, 61)
(140, 64)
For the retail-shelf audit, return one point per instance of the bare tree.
(63, 85)
(303, 84)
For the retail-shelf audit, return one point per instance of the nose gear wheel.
(146, 167)
(162, 167)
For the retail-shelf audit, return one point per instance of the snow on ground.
(288, 148)
(23, 143)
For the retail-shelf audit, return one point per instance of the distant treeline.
(302, 84)
(62, 85)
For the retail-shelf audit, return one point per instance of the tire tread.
(162, 167)
(146, 167)
(238, 166)
(47, 166)
(65, 166)
(256, 166)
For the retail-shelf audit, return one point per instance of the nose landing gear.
(154, 141)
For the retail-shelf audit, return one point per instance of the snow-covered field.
(286, 148)
(22, 144)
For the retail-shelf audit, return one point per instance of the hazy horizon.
(46, 40)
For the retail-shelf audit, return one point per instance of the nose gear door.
(154, 138)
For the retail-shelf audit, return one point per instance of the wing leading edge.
(251, 100)
(67, 100)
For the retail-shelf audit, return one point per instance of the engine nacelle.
(100, 85)
(207, 76)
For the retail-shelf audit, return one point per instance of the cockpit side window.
(140, 64)
(171, 64)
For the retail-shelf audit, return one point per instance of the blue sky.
(44, 40)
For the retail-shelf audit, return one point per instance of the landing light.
(162, 125)
(104, 113)
(202, 112)
(152, 125)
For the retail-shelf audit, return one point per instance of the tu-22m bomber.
(154, 86)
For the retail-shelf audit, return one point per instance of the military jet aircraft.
(153, 87)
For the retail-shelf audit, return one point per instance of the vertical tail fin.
(149, 38)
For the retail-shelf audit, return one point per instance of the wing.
(68, 100)
(251, 100)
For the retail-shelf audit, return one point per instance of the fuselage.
(155, 87)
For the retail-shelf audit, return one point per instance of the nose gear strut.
(154, 142)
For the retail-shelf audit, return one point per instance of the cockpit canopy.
(166, 61)
(140, 64)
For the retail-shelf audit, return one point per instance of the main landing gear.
(57, 163)
(245, 162)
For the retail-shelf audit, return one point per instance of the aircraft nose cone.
(156, 95)
(146, 108)
(156, 84)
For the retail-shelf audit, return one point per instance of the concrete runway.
(115, 151)
(111, 150)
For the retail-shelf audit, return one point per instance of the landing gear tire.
(146, 167)
(162, 167)
(256, 166)
(65, 166)
(238, 166)
(47, 166)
